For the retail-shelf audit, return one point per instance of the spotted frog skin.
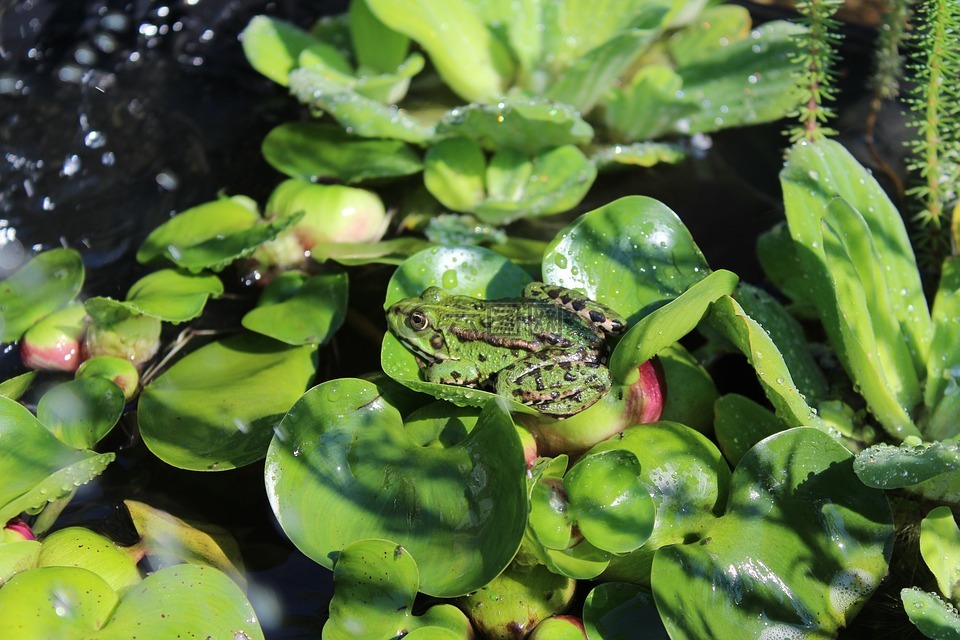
(546, 349)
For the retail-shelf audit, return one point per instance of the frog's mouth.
(424, 356)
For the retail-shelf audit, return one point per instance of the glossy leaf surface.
(217, 407)
(888, 467)
(933, 617)
(168, 294)
(311, 315)
(940, 548)
(621, 611)
(342, 468)
(81, 412)
(633, 254)
(41, 286)
(799, 549)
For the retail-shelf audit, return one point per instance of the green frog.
(546, 349)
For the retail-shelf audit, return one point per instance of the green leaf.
(469, 58)
(692, 392)
(314, 152)
(888, 467)
(815, 175)
(393, 251)
(666, 325)
(731, 321)
(375, 583)
(940, 547)
(342, 468)
(273, 47)
(933, 617)
(525, 124)
(741, 423)
(688, 480)
(638, 154)
(81, 412)
(800, 548)
(355, 112)
(36, 467)
(453, 172)
(47, 282)
(943, 363)
(620, 611)
(609, 502)
(309, 315)
(376, 46)
(80, 547)
(168, 294)
(648, 105)
(16, 386)
(217, 407)
(633, 254)
(17, 556)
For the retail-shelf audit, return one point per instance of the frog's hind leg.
(600, 316)
(555, 382)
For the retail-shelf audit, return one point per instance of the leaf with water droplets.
(47, 282)
(800, 548)
(889, 467)
(934, 617)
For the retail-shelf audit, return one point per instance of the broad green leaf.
(217, 407)
(375, 583)
(81, 412)
(688, 480)
(469, 58)
(649, 105)
(609, 502)
(691, 391)
(742, 81)
(525, 124)
(393, 251)
(732, 322)
(940, 547)
(666, 325)
(168, 294)
(878, 357)
(781, 264)
(342, 468)
(273, 47)
(551, 182)
(789, 338)
(943, 363)
(390, 88)
(932, 616)
(83, 548)
(621, 611)
(639, 154)
(588, 77)
(310, 315)
(453, 172)
(741, 423)
(355, 112)
(36, 467)
(312, 151)
(16, 386)
(376, 46)
(17, 556)
(889, 467)
(800, 548)
(815, 175)
(47, 282)
(698, 42)
(173, 540)
(633, 254)
(472, 271)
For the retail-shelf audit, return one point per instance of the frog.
(546, 349)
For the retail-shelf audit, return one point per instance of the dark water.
(113, 115)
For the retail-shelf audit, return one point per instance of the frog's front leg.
(600, 316)
(556, 382)
(456, 372)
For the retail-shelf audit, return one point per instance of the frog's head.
(417, 323)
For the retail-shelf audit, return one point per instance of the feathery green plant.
(816, 55)
(935, 108)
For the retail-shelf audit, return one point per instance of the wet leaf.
(525, 124)
(800, 548)
(889, 467)
(393, 251)
(741, 423)
(633, 254)
(36, 467)
(375, 584)
(50, 280)
(342, 469)
(81, 412)
(83, 548)
(312, 151)
(309, 315)
(217, 407)
(940, 547)
(621, 611)
(639, 154)
(943, 363)
(273, 47)
(932, 616)
(168, 294)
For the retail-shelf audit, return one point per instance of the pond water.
(114, 115)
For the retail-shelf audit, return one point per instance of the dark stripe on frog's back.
(501, 323)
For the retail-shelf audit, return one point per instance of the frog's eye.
(418, 321)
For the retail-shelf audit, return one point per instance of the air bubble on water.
(48, 204)
(94, 139)
(71, 165)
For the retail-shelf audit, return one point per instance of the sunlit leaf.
(81, 412)
(310, 315)
(273, 47)
(83, 548)
(47, 282)
(933, 617)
